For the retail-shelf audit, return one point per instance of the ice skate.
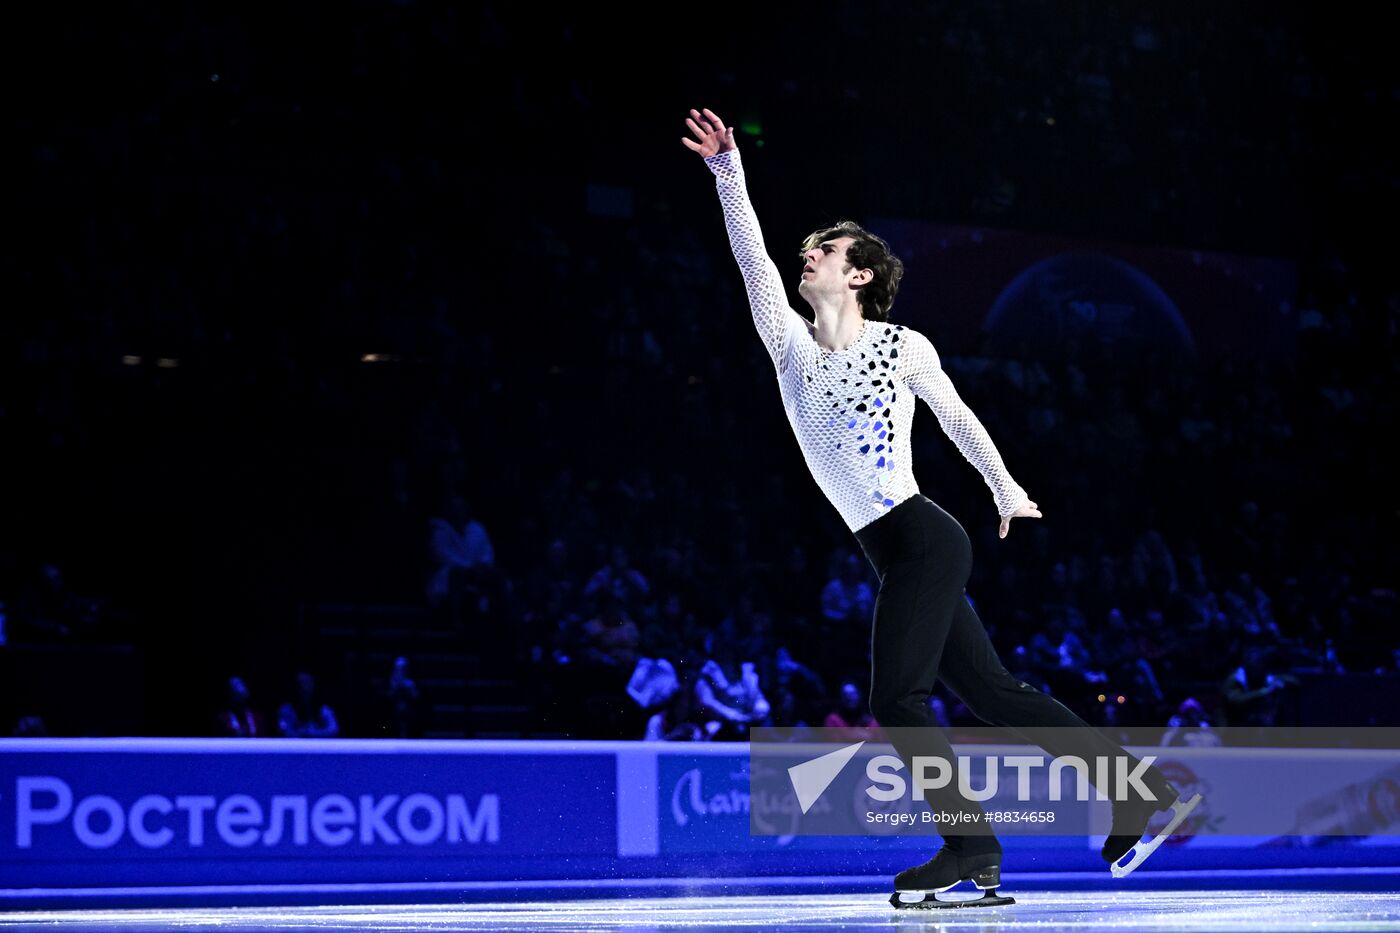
(945, 870)
(1130, 819)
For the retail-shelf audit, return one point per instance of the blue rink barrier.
(137, 812)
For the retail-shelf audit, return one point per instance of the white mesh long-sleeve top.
(851, 409)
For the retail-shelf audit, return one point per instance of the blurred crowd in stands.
(577, 461)
(1218, 582)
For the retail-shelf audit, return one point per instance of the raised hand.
(1029, 510)
(714, 136)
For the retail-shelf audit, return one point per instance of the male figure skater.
(848, 382)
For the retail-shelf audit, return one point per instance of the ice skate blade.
(989, 898)
(1141, 850)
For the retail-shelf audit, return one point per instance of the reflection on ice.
(1042, 910)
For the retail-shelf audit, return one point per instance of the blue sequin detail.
(879, 425)
(881, 463)
(889, 502)
(865, 449)
(882, 435)
(879, 404)
(880, 448)
(852, 423)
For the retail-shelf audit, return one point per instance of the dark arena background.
(405, 529)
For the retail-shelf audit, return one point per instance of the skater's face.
(825, 270)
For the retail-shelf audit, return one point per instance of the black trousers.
(926, 630)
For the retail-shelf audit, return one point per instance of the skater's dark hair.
(867, 252)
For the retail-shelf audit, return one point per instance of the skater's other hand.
(1029, 510)
(714, 136)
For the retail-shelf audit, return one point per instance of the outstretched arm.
(922, 371)
(777, 323)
